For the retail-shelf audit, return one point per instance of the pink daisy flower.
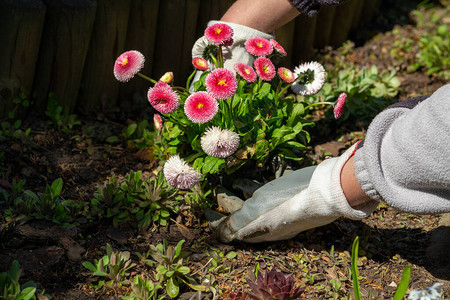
(219, 143)
(163, 98)
(201, 107)
(128, 64)
(258, 46)
(200, 63)
(264, 68)
(167, 77)
(278, 48)
(157, 120)
(286, 74)
(179, 174)
(245, 71)
(339, 107)
(221, 83)
(219, 33)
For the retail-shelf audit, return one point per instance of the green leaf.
(404, 283)
(231, 255)
(178, 248)
(184, 270)
(355, 268)
(57, 187)
(161, 269)
(172, 288)
(212, 165)
(26, 294)
(112, 139)
(130, 129)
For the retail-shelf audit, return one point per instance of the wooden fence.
(69, 46)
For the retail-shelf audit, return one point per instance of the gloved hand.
(298, 201)
(236, 52)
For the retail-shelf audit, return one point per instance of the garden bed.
(52, 255)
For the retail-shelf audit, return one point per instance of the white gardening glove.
(234, 53)
(298, 201)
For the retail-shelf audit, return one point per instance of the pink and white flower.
(286, 74)
(339, 107)
(258, 46)
(201, 107)
(245, 71)
(219, 33)
(264, 68)
(221, 83)
(163, 98)
(278, 48)
(200, 63)
(219, 143)
(179, 174)
(315, 84)
(157, 120)
(128, 64)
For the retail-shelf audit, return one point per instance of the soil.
(51, 255)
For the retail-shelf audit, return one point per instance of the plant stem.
(214, 60)
(188, 83)
(319, 103)
(147, 78)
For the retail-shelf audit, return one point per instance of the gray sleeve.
(405, 159)
(312, 7)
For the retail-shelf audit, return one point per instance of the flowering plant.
(222, 119)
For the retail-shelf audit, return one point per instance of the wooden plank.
(369, 9)
(357, 15)
(65, 41)
(99, 89)
(305, 28)
(324, 26)
(342, 23)
(169, 36)
(141, 36)
(21, 24)
(285, 36)
(189, 38)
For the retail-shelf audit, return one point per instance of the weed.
(368, 91)
(24, 205)
(10, 288)
(115, 266)
(143, 289)
(401, 288)
(147, 201)
(170, 270)
(60, 120)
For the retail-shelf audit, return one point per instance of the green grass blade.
(404, 283)
(355, 268)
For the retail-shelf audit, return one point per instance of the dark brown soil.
(52, 255)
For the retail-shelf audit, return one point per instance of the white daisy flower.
(179, 174)
(314, 86)
(219, 143)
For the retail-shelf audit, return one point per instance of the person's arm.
(405, 156)
(262, 15)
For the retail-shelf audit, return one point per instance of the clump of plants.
(114, 267)
(171, 271)
(428, 47)
(143, 289)
(11, 125)
(144, 200)
(222, 120)
(10, 287)
(22, 205)
(368, 89)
